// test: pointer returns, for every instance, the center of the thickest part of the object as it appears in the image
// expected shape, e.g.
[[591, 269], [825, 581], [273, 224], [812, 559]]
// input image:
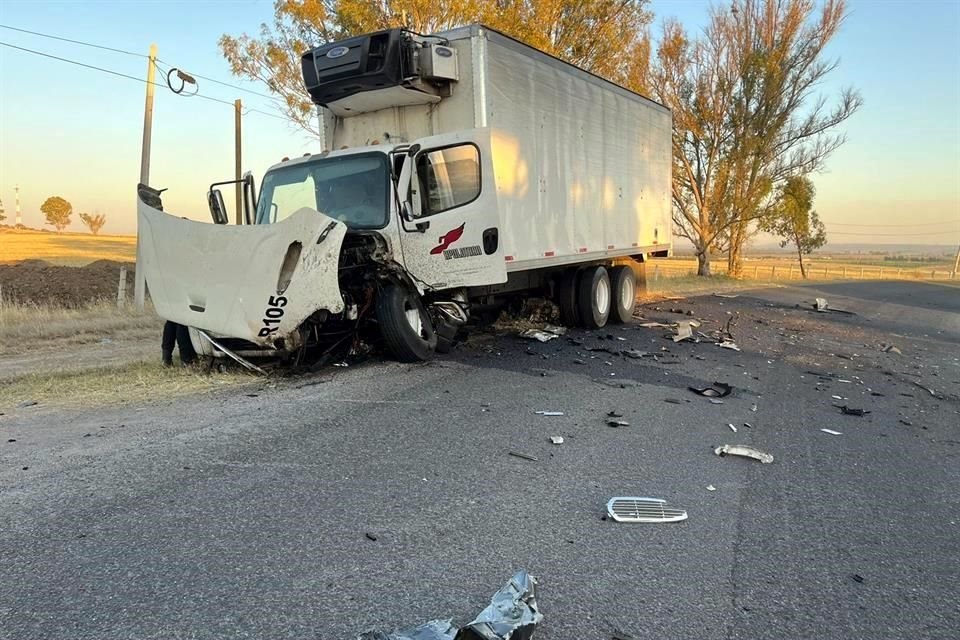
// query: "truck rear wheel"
[[405, 324], [624, 287], [566, 297], [593, 297]]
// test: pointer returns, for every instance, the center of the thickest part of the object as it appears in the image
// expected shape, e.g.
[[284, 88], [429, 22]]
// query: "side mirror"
[[406, 211], [218, 211], [249, 198]]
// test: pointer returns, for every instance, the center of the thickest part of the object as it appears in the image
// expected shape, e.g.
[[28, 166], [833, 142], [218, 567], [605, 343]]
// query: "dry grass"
[[136, 382], [684, 285], [29, 327], [70, 249]]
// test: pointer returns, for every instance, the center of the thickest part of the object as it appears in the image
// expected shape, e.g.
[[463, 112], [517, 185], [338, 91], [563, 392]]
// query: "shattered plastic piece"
[[371, 536], [549, 413], [820, 304], [628, 509], [753, 408], [717, 390], [672, 401], [732, 428], [710, 487], [726, 344], [555, 329], [536, 334], [617, 423], [745, 451], [892, 349], [684, 332], [832, 432], [850, 411], [634, 353], [658, 325], [748, 425], [524, 456], [614, 414], [715, 401], [556, 439], [927, 389]]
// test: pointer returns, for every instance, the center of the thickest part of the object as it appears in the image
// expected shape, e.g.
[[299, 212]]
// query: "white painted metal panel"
[[583, 169]]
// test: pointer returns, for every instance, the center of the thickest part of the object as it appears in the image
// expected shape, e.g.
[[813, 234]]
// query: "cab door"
[[450, 236]]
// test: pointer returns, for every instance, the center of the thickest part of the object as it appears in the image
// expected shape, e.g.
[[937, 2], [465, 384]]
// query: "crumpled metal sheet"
[[511, 615], [433, 630]]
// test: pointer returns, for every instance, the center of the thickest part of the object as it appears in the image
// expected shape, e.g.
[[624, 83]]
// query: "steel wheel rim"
[[603, 296], [626, 293]]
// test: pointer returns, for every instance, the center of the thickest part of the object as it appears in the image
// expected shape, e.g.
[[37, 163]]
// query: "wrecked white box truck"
[[459, 169]]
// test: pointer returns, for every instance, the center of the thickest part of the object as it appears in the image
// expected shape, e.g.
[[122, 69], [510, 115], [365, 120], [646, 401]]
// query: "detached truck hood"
[[257, 282]]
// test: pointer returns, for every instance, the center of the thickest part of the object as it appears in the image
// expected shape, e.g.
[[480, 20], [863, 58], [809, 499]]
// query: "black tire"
[[403, 341], [593, 297], [566, 298], [623, 287]]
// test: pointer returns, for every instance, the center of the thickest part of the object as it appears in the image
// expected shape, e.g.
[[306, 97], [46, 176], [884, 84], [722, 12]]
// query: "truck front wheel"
[[594, 297], [405, 324]]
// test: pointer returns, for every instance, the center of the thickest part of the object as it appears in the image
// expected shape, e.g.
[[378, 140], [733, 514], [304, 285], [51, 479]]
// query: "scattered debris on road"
[[546, 334], [685, 331], [710, 487], [832, 432], [549, 413], [856, 577], [892, 349], [614, 414], [524, 456], [511, 615], [732, 428], [617, 423], [371, 536], [726, 344], [556, 439], [820, 304], [851, 411], [717, 390], [629, 509], [744, 451]]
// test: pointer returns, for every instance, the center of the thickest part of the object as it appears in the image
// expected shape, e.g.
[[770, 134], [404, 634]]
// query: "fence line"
[[673, 269]]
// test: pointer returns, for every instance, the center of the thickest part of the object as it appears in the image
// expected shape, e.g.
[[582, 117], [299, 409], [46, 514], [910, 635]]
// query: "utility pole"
[[956, 264], [16, 190], [237, 108], [140, 280]]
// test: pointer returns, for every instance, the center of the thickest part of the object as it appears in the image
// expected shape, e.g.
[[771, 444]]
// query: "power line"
[[81, 64], [129, 77], [132, 53], [870, 224], [891, 235], [80, 42]]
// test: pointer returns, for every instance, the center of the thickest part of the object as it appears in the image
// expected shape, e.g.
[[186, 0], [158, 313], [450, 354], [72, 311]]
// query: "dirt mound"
[[39, 282]]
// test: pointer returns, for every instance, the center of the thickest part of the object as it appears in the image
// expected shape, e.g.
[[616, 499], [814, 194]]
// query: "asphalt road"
[[244, 514]]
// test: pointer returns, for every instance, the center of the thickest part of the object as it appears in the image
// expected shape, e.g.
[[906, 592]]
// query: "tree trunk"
[[803, 269], [703, 263], [738, 234]]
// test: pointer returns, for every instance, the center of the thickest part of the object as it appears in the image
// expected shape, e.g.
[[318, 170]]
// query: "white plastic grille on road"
[[643, 510]]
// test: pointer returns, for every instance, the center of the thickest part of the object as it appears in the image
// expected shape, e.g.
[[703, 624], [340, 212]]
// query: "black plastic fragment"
[[850, 411], [717, 390]]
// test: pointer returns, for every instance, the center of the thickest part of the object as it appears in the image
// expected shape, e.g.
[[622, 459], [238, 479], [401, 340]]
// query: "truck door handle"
[[491, 240]]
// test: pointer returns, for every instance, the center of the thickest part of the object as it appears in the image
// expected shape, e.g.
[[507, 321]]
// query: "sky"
[[74, 132]]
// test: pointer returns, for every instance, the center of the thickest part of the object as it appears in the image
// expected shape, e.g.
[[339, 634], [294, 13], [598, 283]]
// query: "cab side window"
[[449, 178]]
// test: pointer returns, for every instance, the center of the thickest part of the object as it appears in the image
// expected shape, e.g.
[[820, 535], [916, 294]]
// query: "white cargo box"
[[582, 165]]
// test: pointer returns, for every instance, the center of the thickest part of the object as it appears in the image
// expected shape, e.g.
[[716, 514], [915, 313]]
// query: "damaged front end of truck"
[[258, 290]]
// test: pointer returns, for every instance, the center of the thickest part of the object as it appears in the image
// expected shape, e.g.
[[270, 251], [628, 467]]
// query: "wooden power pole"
[[237, 108], [140, 279]]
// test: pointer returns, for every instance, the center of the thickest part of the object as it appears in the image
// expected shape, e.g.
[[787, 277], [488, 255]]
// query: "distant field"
[[69, 249]]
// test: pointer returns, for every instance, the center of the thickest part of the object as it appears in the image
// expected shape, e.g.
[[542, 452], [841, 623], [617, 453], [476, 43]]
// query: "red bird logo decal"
[[448, 239]]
